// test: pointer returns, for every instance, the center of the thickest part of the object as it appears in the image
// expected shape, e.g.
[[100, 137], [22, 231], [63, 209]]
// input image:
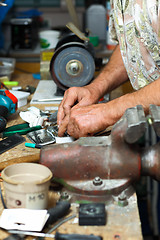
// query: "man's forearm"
[[112, 75], [150, 94]]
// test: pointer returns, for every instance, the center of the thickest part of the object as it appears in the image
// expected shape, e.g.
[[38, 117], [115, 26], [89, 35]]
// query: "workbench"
[[122, 222]]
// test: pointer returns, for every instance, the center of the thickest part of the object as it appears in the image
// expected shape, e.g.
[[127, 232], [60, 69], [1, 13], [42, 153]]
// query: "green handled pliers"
[[21, 129]]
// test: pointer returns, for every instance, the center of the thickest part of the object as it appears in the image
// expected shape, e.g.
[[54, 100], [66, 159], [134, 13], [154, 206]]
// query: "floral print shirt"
[[135, 24]]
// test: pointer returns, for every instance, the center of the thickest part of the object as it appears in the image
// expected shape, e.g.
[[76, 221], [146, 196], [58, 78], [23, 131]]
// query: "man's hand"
[[81, 96], [85, 121]]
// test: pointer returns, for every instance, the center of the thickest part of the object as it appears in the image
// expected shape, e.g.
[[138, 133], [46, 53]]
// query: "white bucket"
[[49, 39], [26, 185]]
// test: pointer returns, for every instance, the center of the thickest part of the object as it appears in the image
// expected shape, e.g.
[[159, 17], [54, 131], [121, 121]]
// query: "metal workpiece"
[[96, 167]]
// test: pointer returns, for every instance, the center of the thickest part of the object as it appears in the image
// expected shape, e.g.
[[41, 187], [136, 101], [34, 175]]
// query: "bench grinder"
[[73, 62]]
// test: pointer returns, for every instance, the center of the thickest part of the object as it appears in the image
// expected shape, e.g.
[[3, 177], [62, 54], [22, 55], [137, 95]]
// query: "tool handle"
[[19, 129], [60, 210], [60, 236]]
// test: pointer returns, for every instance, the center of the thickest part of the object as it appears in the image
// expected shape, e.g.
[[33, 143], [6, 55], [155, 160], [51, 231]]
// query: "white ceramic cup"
[[26, 185]]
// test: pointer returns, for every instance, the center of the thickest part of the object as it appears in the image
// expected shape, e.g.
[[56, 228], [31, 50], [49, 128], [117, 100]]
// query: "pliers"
[[21, 129]]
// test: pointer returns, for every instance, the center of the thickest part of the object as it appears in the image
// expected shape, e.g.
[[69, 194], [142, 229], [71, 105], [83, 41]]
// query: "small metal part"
[[41, 137], [122, 200], [35, 234], [74, 67], [53, 130], [64, 195], [97, 181]]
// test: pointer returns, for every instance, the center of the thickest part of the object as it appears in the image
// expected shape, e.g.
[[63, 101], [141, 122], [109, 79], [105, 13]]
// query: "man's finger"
[[63, 126]]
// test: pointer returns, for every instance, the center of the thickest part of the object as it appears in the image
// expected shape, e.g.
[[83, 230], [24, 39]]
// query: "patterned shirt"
[[135, 24]]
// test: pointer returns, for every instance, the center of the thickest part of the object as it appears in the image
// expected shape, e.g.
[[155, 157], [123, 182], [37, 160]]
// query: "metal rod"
[[35, 234], [61, 222]]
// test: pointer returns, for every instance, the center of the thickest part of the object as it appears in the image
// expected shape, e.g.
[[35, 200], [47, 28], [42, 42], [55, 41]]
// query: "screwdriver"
[[58, 236]]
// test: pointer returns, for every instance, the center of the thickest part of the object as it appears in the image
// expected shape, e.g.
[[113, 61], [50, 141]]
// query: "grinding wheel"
[[72, 65]]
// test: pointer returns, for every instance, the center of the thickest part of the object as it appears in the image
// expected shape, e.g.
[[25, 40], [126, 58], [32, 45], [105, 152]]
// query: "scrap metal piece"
[[41, 137]]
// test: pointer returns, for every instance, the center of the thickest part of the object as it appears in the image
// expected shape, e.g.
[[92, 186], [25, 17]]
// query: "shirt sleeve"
[[112, 29]]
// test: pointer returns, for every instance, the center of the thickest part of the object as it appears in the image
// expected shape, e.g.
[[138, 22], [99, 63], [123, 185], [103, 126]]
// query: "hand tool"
[[60, 222], [58, 236], [21, 129], [98, 168], [32, 145], [60, 210]]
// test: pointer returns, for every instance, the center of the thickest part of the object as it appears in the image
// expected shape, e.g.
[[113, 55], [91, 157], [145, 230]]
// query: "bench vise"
[[102, 168]]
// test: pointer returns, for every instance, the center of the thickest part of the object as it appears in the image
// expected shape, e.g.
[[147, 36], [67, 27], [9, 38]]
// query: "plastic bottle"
[[96, 22]]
